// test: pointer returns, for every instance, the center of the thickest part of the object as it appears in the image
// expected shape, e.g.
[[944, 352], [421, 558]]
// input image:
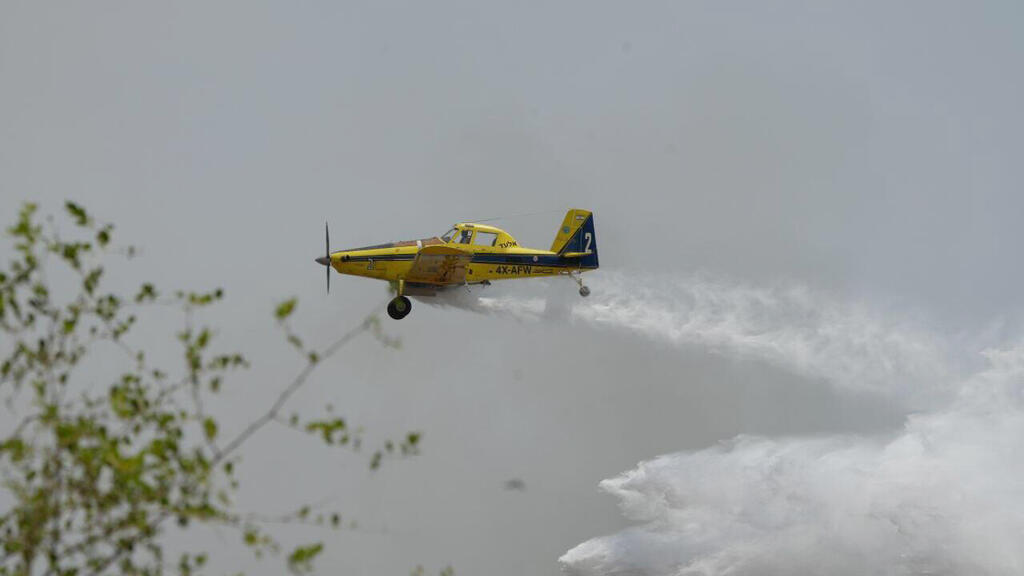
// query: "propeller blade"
[[327, 250]]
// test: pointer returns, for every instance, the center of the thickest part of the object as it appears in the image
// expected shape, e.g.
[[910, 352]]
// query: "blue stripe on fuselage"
[[379, 258], [526, 260], [552, 261]]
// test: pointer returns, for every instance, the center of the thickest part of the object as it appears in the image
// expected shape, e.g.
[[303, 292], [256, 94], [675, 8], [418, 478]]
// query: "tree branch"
[[297, 383]]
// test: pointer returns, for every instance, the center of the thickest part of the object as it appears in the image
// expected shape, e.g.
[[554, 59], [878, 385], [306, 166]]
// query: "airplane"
[[470, 253]]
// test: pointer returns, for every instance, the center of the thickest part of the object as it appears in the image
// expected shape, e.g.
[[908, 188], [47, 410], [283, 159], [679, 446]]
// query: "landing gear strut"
[[399, 307], [584, 290]]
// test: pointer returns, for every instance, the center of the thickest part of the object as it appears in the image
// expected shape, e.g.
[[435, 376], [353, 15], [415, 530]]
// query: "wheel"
[[584, 291], [399, 307]]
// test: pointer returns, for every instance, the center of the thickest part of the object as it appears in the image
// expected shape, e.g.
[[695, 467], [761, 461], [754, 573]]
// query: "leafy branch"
[[95, 474]]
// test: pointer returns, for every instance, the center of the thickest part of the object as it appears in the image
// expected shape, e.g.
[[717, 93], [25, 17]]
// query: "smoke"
[[941, 496]]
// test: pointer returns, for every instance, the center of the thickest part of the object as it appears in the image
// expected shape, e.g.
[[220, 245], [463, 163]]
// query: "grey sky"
[[870, 150]]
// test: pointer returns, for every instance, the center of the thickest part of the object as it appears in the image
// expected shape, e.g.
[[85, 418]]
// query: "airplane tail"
[[576, 238]]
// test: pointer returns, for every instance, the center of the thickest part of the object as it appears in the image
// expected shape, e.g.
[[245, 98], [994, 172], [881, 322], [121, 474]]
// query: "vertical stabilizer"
[[577, 236]]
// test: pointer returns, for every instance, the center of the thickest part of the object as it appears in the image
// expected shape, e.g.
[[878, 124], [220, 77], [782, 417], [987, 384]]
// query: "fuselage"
[[495, 255]]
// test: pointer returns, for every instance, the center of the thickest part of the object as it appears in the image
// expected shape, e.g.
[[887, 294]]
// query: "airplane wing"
[[439, 265]]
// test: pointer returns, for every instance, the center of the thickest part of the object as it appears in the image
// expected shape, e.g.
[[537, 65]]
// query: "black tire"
[[584, 291], [399, 307]]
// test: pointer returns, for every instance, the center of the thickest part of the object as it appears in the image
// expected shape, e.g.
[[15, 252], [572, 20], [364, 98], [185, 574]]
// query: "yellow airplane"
[[469, 253]]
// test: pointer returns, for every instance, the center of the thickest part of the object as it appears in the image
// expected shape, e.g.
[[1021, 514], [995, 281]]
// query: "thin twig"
[[282, 398]]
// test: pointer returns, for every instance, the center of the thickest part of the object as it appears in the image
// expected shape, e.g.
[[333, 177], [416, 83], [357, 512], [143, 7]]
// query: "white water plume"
[[789, 326], [942, 496]]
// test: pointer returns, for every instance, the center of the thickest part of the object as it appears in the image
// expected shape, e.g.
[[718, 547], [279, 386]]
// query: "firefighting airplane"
[[469, 253]]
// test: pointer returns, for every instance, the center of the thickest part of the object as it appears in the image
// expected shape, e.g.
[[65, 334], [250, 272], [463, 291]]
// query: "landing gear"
[[584, 290], [399, 307]]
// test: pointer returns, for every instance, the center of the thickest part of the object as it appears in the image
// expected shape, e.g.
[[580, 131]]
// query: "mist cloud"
[[790, 326], [941, 496]]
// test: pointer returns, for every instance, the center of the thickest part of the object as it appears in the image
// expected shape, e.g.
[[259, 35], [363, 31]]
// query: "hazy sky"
[[866, 151]]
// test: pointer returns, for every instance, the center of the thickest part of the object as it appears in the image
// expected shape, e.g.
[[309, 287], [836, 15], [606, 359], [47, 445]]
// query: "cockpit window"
[[449, 235], [466, 236], [485, 238]]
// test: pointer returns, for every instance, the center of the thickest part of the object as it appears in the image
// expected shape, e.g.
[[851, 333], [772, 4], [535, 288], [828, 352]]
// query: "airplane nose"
[[324, 261]]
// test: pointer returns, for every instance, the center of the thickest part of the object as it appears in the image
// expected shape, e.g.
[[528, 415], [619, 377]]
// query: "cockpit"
[[478, 235], [458, 236]]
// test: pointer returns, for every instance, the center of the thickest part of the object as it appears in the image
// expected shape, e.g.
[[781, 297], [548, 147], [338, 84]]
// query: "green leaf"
[[92, 279], [326, 428], [285, 309], [14, 447], [103, 236], [203, 339], [201, 299], [146, 292], [120, 403], [210, 428], [301, 558], [77, 213]]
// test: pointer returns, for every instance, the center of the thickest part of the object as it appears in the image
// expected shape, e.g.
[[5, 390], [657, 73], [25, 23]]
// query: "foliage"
[[96, 474]]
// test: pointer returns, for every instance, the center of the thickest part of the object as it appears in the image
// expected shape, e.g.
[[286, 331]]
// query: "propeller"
[[326, 260]]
